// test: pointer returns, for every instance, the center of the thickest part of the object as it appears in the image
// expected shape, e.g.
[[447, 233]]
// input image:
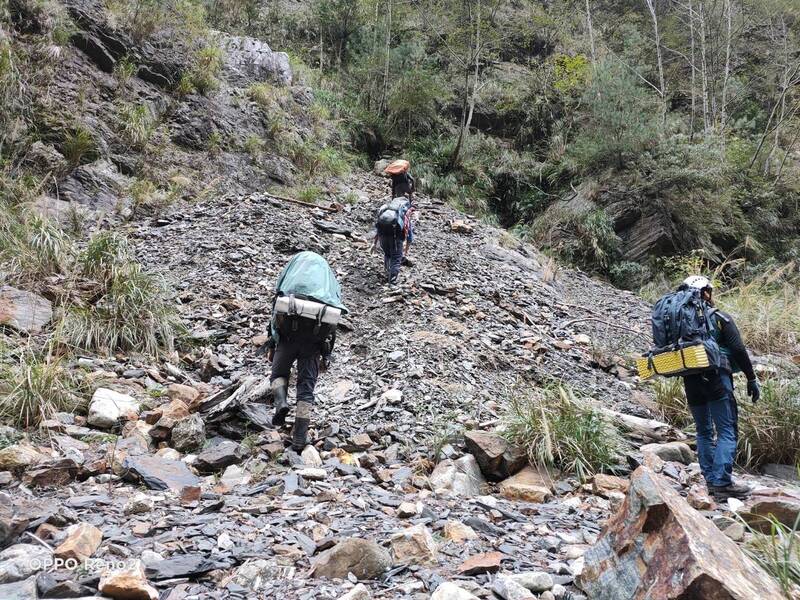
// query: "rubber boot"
[[301, 422], [279, 390]]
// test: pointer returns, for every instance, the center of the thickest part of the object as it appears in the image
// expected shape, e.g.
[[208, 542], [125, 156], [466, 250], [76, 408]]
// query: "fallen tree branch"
[[604, 322]]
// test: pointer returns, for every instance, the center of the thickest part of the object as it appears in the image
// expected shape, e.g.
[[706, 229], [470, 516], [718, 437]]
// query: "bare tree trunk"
[[694, 71], [591, 34], [704, 67], [386, 61], [661, 81], [474, 95], [784, 85], [724, 102]]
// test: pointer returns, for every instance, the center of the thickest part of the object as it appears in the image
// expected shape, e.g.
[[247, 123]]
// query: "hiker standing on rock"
[[306, 311], [711, 400], [394, 232]]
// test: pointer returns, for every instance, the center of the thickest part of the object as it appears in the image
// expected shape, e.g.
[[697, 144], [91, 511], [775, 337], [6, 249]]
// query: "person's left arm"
[[731, 338]]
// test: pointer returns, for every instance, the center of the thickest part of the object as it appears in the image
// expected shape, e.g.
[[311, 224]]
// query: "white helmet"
[[697, 282]]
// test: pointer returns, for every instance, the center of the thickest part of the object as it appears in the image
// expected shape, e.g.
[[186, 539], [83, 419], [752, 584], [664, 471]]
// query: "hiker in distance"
[[402, 181], [394, 232], [306, 310], [711, 400]]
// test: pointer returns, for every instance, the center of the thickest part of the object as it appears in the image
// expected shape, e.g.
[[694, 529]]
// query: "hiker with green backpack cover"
[[687, 317], [305, 312]]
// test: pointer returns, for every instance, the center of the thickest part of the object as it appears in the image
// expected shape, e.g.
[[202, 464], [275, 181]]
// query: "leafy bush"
[[559, 431], [131, 311], [629, 275], [35, 390], [769, 430], [618, 122]]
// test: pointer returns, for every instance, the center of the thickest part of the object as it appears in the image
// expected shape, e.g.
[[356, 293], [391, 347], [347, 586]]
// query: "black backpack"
[[391, 217], [682, 319]]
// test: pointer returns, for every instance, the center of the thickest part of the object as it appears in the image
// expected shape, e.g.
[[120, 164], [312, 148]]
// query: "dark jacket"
[[402, 185], [704, 387]]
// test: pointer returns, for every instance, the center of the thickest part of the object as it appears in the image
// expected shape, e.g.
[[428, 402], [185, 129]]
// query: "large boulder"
[[657, 546], [461, 477], [189, 433], [496, 456], [21, 561], [363, 558], [24, 311]]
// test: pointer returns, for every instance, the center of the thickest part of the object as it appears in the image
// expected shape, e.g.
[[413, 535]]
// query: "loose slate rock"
[[363, 558], [24, 311], [186, 565], [162, 473], [218, 456], [487, 562], [450, 591]]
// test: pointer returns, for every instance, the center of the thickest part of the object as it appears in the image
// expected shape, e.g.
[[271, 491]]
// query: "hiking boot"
[[734, 490], [279, 401], [301, 422], [300, 434]]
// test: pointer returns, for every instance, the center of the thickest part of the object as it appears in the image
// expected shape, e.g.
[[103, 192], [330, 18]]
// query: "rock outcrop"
[[657, 546]]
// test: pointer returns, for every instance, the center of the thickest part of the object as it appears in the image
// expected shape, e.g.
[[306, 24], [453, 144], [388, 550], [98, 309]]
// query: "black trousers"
[[392, 247], [306, 351]]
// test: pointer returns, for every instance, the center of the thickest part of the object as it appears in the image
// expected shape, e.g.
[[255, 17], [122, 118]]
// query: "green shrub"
[[629, 275], [131, 311], [586, 239], [309, 193], [124, 70], [769, 430], [32, 246], [766, 309], [208, 63], [79, 146], [138, 124], [35, 390], [558, 430]]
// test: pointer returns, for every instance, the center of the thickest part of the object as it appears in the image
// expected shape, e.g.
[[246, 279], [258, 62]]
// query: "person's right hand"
[[271, 354], [753, 390]]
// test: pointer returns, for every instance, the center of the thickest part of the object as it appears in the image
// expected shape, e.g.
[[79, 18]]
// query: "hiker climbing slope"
[[402, 182], [306, 311], [394, 232], [688, 317]]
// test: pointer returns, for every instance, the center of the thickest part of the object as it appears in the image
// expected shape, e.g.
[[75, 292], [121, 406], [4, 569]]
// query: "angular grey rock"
[[20, 590], [184, 565], [509, 589], [24, 311], [450, 591], [534, 581], [461, 477], [218, 456], [255, 59], [363, 558], [21, 561], [189, 433], [161, 473]]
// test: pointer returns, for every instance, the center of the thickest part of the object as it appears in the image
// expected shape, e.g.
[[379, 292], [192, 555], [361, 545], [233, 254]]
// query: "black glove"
[[753, 390], [324, 364]]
